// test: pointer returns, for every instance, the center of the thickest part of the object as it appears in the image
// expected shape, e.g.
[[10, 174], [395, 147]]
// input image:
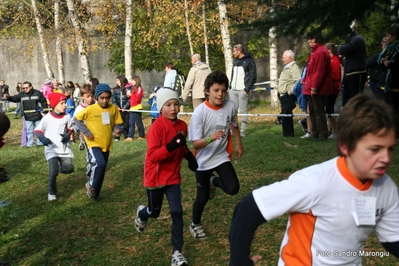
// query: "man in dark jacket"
[[32, 104], [243, 78], [354, 53], [3, 90]]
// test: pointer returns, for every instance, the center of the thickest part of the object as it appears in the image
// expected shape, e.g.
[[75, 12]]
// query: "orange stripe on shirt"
[[297, 251], [353, 180]]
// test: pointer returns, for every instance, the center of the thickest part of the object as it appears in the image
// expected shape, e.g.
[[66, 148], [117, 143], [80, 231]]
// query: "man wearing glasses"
[[32, 104]]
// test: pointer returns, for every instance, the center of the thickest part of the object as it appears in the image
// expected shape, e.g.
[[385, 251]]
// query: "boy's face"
[[87, 98], [170, 109], [103, 99], [60, 107], [216, 94], [372, 155]]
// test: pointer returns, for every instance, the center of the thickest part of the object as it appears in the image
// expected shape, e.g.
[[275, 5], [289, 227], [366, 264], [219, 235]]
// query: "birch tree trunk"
[[274, 102], [205, 34], [46, 60], [128, 40], [188, 27], [58, 44], [225, 34], [82, 49]]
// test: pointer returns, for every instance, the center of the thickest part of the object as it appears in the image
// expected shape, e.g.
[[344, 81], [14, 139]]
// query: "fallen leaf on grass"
[[290, 145]]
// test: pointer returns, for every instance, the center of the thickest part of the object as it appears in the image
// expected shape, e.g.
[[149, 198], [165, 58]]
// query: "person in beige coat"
[[195, 80]]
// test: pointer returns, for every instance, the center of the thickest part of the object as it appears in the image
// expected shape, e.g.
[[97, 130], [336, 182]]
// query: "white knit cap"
[[164, 95]]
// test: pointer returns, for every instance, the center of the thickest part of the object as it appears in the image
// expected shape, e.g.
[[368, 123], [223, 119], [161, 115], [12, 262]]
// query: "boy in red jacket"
[[166, 140]]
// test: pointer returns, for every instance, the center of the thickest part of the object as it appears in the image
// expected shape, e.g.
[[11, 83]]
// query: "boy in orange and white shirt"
[[335, 205]]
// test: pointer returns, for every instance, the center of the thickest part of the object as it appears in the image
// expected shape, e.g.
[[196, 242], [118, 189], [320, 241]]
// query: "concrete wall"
[[17, 66]]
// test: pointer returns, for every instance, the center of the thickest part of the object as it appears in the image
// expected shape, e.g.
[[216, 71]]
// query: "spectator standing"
[[54, 131], [243, 78], [318, 84], [210, 135], [18, 108], [121, 100], [166, 141], [336, 82], [195, 81], [97, 122], [389, 61], [152, 101], [288, 77], [135, 116], [374, 71], [354, 53], [170, 77], [76, 94], [32, 103], [335, 205], [3, 90]]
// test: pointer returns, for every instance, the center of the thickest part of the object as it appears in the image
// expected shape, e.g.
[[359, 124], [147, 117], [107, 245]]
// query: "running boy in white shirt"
[[333, 206], [54, 131], [209, 132]]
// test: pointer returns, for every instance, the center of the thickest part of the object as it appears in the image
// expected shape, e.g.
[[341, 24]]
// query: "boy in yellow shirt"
[[97, 122]]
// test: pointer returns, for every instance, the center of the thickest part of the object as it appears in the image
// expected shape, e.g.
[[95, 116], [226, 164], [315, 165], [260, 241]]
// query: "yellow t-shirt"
[[101, 124]]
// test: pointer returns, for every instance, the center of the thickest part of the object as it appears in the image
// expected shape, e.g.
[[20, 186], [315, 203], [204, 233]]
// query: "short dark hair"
[[170, 65], [394, 30], [361, 115], [218, 77], [28, 82]]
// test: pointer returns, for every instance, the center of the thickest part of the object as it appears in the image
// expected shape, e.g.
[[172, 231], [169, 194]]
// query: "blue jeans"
[[30, 127], [135, 119]]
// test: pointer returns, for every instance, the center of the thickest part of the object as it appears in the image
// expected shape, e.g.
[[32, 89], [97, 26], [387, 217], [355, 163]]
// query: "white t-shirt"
[[205, 121], [52, 126], [321, 200]]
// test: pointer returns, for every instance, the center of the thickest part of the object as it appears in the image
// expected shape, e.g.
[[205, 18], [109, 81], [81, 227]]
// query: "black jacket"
[[120, 99], [354, 53], [243, 75], [32, 104]]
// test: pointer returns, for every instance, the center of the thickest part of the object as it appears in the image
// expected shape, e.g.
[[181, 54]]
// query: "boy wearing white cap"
[[97, 122], [166, 141], [54, 131]]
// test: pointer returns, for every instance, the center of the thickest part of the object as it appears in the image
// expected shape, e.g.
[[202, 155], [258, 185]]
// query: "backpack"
[[179, 83]]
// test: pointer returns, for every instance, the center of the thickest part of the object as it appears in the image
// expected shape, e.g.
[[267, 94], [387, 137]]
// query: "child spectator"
[[97, 122], [76, 94], [166, 148], [152, 101], [333, 206], [54, 131], [135, 118], [46, 89], [210, 134], [121, 100]]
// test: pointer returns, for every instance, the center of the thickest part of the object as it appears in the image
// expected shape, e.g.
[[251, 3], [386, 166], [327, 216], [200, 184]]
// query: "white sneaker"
[[178, 259], [197, 231], [51, 197], [138, 223], [332, 136], [306, 136]]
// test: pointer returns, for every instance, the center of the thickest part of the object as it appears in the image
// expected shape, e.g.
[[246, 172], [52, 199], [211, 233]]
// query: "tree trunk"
[[188, 27], [225, 34], [128, 40], [46, 60], [58, 44], [274, 102], [205, 34], [84, 58]]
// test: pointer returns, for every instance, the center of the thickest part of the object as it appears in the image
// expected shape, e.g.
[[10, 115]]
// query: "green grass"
[[73, 230]]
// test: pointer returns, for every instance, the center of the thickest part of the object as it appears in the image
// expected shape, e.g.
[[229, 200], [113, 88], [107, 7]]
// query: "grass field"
[[73, 230]]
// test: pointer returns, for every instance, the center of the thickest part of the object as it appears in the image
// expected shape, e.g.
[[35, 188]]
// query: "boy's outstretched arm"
[[80, 124], [392, 248], [246, 219], [117, 129]]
